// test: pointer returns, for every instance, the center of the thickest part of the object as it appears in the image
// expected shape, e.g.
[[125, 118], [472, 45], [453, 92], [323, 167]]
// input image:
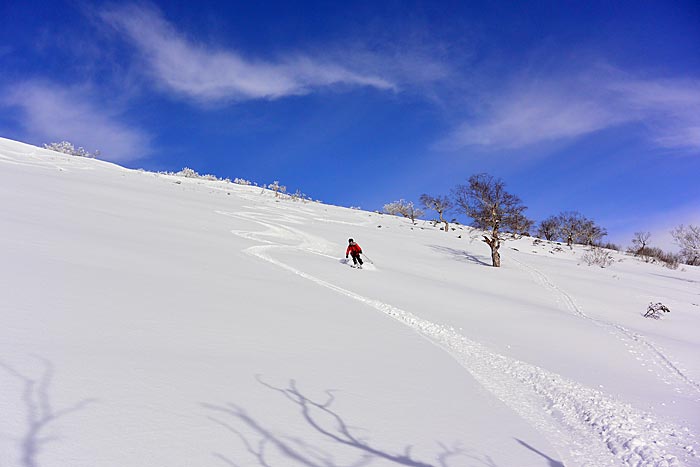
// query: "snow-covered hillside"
[[150, 320]]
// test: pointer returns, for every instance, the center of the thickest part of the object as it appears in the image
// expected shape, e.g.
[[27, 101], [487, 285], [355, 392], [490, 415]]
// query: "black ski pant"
[[356, 258]]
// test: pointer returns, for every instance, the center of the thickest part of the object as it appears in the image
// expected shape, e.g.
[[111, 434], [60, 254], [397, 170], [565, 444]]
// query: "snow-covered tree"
[[67, 148], [439, 204], [688, 239], [403, 208], [493, 209]]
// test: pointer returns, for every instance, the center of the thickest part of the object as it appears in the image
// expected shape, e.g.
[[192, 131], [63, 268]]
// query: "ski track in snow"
[[644, 351], [585, 426]]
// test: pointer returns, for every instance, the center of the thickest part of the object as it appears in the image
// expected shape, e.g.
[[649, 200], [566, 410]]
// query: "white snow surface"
[[151, 320]]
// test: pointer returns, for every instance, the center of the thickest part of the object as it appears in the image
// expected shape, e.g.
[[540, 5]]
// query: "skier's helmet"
[[350, 240]]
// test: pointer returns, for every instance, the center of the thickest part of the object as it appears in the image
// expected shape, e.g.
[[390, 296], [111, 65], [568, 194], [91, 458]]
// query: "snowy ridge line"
[[586, 427], [649, 351]]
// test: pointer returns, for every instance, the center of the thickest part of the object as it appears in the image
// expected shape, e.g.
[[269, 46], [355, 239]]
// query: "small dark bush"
[[656, 310]]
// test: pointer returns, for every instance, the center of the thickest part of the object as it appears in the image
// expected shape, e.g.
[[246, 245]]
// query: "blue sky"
[[589, 106]]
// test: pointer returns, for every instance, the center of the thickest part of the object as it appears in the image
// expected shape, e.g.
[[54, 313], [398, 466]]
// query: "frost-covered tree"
[[403, 208], [493, 209], [67, 148], [548, 228], [187, 173], [439, 204], [688, 239]]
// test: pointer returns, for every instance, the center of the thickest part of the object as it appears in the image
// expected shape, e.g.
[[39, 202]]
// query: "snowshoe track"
[[643, 349]]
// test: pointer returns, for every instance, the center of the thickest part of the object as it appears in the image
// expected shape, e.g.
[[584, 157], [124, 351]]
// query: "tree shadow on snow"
[[676, 278], [552, 462], [461, 255], [39, 412], [327, 426]]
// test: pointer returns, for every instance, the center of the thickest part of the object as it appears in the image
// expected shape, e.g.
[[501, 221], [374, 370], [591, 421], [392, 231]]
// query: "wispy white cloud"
[[209, 74], [536, 110], [49, 112], [670, 108]]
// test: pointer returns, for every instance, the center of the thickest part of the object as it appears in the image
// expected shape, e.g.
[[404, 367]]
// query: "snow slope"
[[150, 320]]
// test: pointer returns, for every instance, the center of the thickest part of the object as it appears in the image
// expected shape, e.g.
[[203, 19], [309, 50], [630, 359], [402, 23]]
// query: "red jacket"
[[354, 249]]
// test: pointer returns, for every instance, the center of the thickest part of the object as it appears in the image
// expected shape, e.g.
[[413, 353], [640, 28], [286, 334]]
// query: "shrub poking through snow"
[[187, 173], [191, 173], [67, 148], [598, 257], [277, 188], [299, 196], [656, 310]]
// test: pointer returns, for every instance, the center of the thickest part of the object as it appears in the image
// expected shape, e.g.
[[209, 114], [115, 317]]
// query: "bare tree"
[[639, 245], [548, 228], [591, 233], [641, 240], [688, 238], [570, 226], [439, 204], [493, 209]]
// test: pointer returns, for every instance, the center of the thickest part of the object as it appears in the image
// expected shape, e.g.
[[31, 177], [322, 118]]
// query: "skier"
[[354, 250]]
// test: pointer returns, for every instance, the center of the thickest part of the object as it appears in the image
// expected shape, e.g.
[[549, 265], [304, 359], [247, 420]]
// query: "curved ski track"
[[585, 426]]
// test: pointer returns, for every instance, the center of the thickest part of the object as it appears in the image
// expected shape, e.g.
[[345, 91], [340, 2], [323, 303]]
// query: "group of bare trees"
[[571, 227], [485, 200], [686, 237], [501, 215]]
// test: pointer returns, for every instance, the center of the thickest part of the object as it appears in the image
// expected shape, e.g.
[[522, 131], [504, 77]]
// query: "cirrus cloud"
[[211, 74], [566, 106]]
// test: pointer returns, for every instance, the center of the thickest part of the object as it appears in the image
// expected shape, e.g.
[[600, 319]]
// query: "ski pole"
[[368, 259]]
